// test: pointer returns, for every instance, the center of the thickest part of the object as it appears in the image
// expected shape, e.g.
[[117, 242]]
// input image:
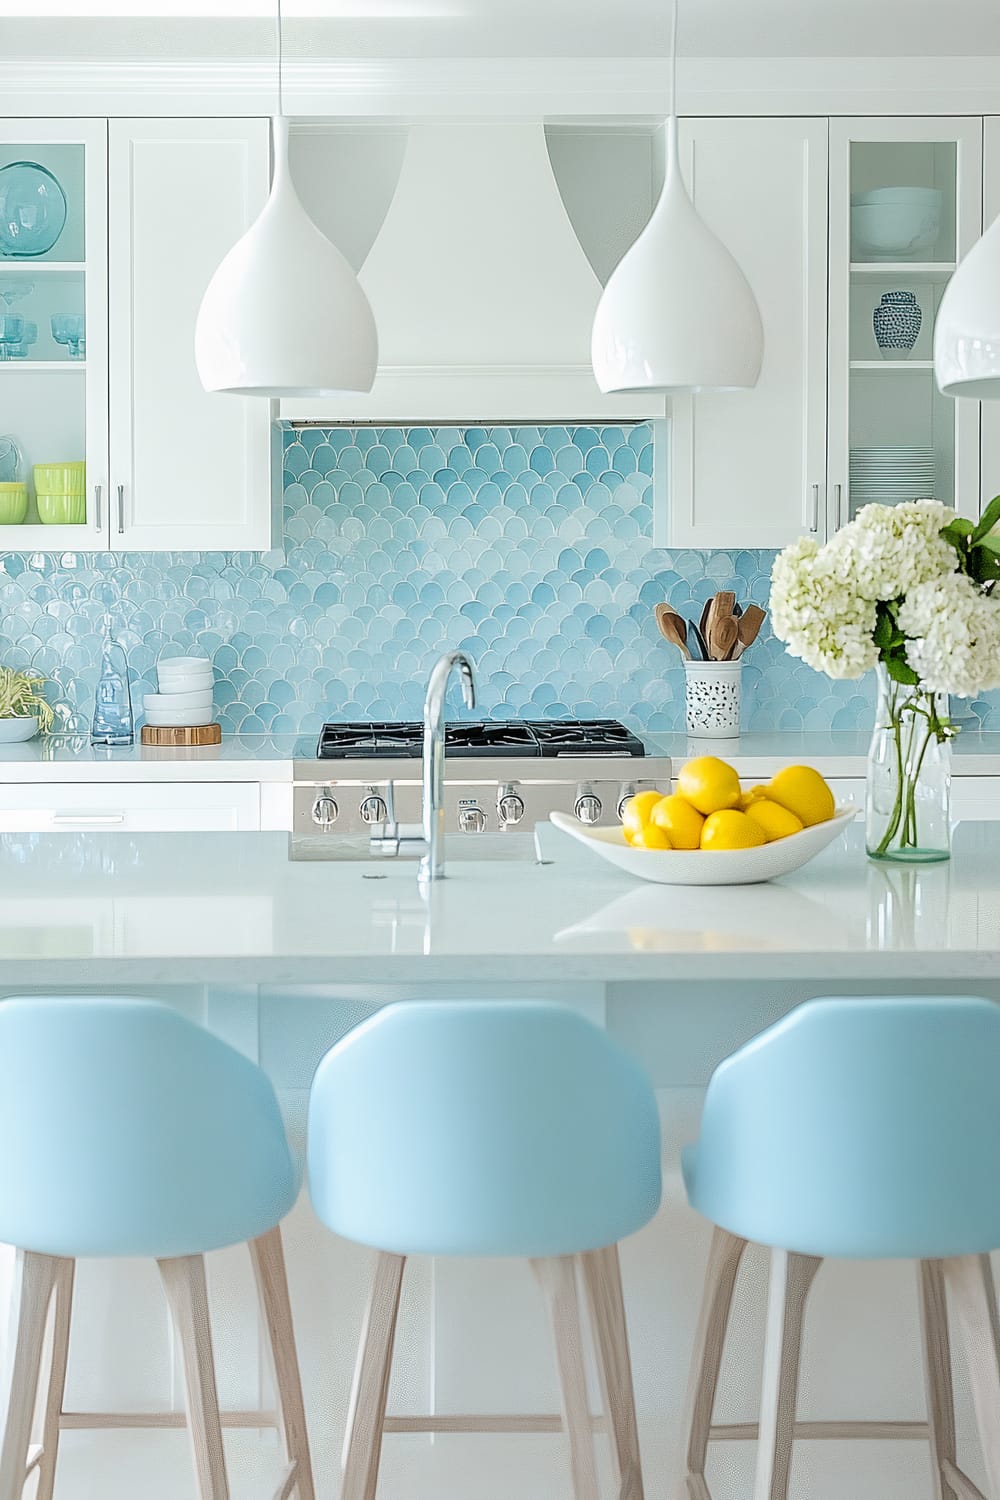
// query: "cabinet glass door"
[[53, 333], [905, 206]]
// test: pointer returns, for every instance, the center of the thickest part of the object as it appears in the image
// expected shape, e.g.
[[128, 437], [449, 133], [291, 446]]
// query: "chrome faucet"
[[432, 864]]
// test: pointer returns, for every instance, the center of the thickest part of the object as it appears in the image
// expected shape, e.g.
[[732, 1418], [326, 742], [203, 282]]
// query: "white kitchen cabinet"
[[129, 807], [892, 403], [189, 470], [152, 207], [748, 469], [54, 399]]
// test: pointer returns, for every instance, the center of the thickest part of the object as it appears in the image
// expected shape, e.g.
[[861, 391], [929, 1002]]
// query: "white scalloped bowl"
[[709, 866]]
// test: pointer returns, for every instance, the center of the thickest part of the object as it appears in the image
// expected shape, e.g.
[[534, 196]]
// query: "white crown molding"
[[331, 87]]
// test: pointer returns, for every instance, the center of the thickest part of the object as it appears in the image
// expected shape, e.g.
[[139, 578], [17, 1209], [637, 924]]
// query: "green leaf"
[[883, 632], [989, 543], [989, 518], [900, 670], [958, 528]]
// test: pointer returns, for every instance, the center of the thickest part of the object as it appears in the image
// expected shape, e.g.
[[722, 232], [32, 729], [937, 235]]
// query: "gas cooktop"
[[514, 737]]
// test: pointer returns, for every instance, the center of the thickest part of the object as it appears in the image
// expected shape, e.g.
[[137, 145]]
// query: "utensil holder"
[[712, 694]]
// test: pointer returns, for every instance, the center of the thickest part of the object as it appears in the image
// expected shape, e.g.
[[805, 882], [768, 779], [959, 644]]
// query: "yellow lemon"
[[753, 795], [635, 813], [651, 837], [804, 792], [775, 821], [728, 829], [679, 820], [709, 784]]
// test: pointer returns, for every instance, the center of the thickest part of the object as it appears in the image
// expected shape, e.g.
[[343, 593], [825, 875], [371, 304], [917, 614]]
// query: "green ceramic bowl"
[[62, 510], [13, 502]]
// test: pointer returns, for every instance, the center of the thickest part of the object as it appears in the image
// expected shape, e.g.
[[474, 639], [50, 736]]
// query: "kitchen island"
[[281, 955]]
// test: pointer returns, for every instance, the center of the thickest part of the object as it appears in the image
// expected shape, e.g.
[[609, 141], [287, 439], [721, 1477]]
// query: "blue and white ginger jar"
[[896, 322]]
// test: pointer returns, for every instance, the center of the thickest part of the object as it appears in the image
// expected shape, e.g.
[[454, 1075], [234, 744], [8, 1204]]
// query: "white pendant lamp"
[[967, 329], [284, 314], [677, 313]]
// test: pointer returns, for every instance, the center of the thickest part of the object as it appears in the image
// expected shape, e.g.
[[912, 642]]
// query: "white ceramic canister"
[[713, 698]]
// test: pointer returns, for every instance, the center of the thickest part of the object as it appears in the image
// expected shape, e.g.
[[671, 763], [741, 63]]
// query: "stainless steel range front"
[[499, 776]]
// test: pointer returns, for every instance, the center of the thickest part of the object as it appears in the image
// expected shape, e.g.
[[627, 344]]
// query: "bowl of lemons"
[[710, 831]]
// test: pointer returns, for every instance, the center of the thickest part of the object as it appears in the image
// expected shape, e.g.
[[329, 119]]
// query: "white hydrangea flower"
[[818, 613], [955, 635], [890, 549]]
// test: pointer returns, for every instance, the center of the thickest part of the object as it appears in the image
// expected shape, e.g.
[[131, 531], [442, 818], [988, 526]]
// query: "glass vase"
[[907, 811]]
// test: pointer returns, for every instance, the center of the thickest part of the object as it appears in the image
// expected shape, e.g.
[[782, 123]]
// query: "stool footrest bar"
[[81, 1420], [738, 1432], [960, 1482], [34, 1459], [287, 1482], [477, 1422]]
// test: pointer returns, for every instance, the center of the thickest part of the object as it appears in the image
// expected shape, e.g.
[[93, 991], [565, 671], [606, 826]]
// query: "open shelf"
[[34, 267], [916, 365], [922, 272], [42, 364]]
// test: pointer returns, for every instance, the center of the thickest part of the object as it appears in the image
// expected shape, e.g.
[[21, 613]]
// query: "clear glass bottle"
[[113, 723], [908, 791]]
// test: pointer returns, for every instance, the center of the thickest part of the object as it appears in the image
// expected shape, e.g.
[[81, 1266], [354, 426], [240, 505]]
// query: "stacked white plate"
[[885, 476], [186, 690]]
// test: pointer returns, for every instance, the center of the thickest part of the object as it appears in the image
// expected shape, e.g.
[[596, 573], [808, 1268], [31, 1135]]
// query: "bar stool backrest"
[[129, 1130], [865, 1127], [482, 1128]]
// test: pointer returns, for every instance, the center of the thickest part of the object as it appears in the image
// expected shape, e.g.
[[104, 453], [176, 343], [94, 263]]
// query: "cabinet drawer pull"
[[812, 519], [85, 817], [121, 509], [839, 505], [98, 495]]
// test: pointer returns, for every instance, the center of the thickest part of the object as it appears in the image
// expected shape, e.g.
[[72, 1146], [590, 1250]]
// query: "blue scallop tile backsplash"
[[529, 547]]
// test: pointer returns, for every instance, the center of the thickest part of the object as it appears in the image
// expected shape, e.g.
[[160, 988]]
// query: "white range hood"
[[483, 297]]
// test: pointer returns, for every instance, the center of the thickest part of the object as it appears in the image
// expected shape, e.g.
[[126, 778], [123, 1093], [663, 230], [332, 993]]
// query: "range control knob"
[[510, 806], [589, 808], [471, 819], [325, 811], [373, 809], [626, 792]]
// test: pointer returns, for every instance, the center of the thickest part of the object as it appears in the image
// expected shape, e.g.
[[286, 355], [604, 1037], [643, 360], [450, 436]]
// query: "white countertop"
[[268, 758], [60, 757], [141, 909]]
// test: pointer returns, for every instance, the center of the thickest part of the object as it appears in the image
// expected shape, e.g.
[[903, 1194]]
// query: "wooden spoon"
[[672, 628], [719, 606], [748, 627], [724, 637]]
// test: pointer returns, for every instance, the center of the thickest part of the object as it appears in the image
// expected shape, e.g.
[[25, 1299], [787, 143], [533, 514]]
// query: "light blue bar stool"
[[129, 1131], [489, 1129], [862, 1128]]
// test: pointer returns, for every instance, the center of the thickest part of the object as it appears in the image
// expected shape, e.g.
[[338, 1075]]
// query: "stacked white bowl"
[[185, 697]]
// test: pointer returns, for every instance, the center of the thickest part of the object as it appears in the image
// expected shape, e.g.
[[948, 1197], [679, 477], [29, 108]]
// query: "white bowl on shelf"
[[903, 228], [184, 674], [179, 718], [709, 866], [175, 702]]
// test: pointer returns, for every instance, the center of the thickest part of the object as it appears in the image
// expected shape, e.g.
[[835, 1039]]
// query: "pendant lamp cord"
[[673, 57], [281, 99]]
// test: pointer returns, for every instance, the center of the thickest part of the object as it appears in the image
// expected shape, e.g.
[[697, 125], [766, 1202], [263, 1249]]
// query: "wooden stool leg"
[[603, 1281], [184, 1280], [724, 1259], [57, 1380], [38, 1277], [969, 1280], [557, 1277], [268, 1260], [791, 1278], [366, 1418], [937, 1373]]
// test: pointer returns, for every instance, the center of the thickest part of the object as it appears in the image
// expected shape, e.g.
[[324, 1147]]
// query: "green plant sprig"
[[20, 697], [977, 545]]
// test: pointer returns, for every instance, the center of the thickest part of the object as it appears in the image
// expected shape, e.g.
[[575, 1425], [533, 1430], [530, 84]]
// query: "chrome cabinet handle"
[[121, 509], [838, 504], [81, 817], [98, 493], [812, 522]]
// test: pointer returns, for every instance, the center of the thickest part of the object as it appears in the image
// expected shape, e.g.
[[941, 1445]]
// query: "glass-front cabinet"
[[906, 205], [53, 333]]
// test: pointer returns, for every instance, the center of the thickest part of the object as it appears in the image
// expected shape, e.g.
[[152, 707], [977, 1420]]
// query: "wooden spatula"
[[725, 634], [748, 627], [672, 628]]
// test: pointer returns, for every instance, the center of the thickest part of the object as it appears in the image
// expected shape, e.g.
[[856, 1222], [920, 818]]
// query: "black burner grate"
[[516, 737]]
